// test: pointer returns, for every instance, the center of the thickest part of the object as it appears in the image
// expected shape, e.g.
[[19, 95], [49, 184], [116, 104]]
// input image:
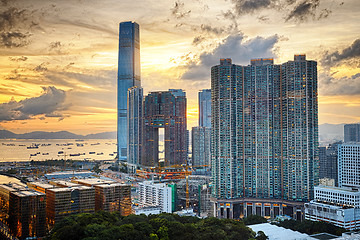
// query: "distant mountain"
[[4, 134]]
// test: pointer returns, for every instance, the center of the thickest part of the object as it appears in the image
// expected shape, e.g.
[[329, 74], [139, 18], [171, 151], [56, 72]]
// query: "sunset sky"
[[58, 59]]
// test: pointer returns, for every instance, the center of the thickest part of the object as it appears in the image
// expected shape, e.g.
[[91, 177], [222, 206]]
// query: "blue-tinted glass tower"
[[128, 76], [205, 108]]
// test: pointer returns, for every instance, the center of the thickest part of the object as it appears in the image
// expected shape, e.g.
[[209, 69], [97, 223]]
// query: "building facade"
[[338, 206], [155, 195], [352, 132], [205, 108], [328, 166], [165, 110], [264, 139], [201, 156], [128, 76], [349, 164], [135, 124]]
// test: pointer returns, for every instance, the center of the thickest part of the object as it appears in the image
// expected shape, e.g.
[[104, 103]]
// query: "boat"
[[33, 146], [45, 154], [100, 153], [60, 152], [91, 152], [33, 154], [74, 154]]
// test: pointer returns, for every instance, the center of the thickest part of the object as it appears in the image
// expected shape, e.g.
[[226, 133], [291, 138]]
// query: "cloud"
[[329, 85], [14, 27], [18, 59], [41, 68], [51, 101], [234, 47], [300, 10], [178, 10], [351, 54], [303, 10]]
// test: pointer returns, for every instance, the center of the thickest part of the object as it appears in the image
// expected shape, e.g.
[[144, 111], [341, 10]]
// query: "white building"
[[155, 194], [349, 164], [338, 206]]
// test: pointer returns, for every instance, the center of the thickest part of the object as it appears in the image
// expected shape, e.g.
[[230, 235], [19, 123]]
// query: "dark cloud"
[[41, 68], [351, 53], [303, 10], [263, 19], [14, 39], [15, 25], [330, 85], [250, 6], [300, 10], [178, 10], [51, 101], [18, 59], [197, 40], [234, 47]]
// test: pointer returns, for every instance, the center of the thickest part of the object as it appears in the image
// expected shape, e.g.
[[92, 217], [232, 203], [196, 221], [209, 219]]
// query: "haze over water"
[[92, 149]]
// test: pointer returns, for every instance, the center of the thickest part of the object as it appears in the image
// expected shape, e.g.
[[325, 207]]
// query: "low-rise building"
[[155, 194], [338, 206]]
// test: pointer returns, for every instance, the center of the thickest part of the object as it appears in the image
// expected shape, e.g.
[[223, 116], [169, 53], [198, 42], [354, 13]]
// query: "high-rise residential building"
[[349, 164], [201, 155], [135, 121], [165, 110], [328, 166], [205, 108], [264, 141], [155, 194], [352, 132], [128, 76]]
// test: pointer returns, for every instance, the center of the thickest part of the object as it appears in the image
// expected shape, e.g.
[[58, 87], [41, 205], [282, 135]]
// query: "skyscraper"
[[349, 164], [205, 108], [128, 76], [264, 136], [135, 121], [352, 132], [165, 110]]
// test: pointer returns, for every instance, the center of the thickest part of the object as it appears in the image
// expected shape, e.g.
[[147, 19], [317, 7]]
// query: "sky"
[[58, 58]]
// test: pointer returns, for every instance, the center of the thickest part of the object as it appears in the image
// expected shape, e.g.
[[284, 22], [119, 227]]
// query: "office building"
[[205, 108], [201, 156], [155, 195], [135, 117], [349, 164], [128, 76], [352, 132], [109, 195], [27, 217], [165, 111], [328, 166], [65, 201], [5, 190], [338, 206], [264, 140]]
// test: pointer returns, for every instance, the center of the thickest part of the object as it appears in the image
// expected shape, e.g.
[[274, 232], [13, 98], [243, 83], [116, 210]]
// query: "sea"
[[18, 150]]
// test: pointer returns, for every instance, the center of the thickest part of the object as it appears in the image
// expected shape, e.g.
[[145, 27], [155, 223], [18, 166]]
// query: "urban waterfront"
[[19, 150]]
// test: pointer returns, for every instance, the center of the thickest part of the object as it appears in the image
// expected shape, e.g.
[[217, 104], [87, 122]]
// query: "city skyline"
[[59, 58]]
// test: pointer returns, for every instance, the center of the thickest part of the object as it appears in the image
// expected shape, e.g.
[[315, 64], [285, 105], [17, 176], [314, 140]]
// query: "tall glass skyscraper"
[[128, 76], [205, 108], [264, 136]]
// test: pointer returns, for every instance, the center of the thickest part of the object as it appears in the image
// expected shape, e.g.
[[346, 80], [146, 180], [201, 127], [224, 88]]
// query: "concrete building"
[[328, 166], [201, 139], [352, 132], [349, 164], [65, 201], [338, 206], [155, 195], [204, 99], [27, 217], [165, 110], [264, 139], [135, 125], [128, 76], [109, 195]]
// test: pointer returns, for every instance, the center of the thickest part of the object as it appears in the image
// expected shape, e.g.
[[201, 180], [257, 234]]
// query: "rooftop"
[[279, 233]]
